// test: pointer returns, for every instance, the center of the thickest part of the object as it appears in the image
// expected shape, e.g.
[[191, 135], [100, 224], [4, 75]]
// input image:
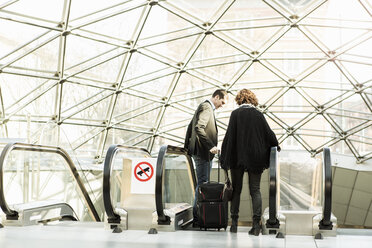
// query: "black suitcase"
[[212, 214], [210, 192], [211, 209]]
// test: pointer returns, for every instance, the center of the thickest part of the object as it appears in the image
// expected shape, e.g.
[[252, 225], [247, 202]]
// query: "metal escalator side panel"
[[44, 212]]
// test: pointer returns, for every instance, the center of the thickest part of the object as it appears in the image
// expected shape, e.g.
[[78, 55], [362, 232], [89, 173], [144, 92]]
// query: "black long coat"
[[247, 141]]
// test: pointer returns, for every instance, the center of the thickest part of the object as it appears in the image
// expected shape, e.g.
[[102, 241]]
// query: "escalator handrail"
[[168, 149], [326, 223], [273, 221], [48, 149], [107, 168]]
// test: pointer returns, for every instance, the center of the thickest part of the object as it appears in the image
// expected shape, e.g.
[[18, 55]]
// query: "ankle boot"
[[234, 225], [256, 228]]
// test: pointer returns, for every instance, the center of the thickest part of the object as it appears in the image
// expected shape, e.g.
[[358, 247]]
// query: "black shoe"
[[195, 224], [233, 229], [234, 224], [252, 231], [256, 229]]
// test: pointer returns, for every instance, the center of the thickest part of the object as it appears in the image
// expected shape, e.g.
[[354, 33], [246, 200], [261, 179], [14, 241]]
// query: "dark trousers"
[[254, 181]]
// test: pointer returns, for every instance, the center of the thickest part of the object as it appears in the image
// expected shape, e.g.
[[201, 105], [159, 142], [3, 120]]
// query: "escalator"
[[300, 198], [39, 184], [128, 201], [141, 192], [167, 204], [175, 189]]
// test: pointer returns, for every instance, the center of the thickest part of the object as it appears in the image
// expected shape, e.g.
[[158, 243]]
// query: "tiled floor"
[[73, 234]]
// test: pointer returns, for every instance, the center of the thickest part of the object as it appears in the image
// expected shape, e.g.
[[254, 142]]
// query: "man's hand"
[[214, 150]]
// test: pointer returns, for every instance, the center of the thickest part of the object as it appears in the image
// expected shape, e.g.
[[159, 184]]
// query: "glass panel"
[[121, 172], [177, 181], [301, 182], [37, 176], [198, 9], [296, 5], [325, 60], [51, 10]]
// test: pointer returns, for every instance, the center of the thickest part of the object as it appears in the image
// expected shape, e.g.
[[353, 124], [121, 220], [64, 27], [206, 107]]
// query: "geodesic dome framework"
[[89, 74]]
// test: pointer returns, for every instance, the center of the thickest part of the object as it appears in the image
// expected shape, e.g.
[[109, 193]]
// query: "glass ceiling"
[[87, 74]]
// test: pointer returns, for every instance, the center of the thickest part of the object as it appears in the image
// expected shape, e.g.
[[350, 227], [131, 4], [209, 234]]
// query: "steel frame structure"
[[244, 58]]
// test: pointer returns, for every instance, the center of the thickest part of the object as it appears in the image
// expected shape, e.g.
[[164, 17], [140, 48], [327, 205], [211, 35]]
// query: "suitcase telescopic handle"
[[219, 164]]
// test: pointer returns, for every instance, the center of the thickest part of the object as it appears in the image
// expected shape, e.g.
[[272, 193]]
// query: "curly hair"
[[246, 96]]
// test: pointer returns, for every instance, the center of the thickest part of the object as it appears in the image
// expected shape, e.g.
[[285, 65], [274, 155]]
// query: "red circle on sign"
[[147, 176]]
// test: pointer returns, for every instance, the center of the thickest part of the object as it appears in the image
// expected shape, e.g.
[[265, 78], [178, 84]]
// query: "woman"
[[246, 147]]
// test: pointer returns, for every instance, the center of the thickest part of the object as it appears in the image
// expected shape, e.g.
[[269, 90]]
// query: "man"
[[201, 138]]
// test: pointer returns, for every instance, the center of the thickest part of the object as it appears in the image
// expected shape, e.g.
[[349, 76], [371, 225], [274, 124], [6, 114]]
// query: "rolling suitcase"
[[212, 210]]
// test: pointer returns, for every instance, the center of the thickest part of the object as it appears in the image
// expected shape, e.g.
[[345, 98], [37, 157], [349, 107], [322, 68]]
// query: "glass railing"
[[175, 180], [36, 173], [300, 184], [117, 174]]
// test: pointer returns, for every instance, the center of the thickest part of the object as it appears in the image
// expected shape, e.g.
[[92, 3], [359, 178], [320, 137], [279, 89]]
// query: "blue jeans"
[[203, 171]]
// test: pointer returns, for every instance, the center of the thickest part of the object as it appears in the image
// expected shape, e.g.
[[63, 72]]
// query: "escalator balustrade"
[[40, 184], [300, 197], [141, 192]]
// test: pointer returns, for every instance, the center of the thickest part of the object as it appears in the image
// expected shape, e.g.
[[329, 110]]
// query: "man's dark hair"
[[220, 92]]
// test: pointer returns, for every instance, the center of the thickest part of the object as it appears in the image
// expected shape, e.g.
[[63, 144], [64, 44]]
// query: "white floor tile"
[[92, 235], [292, 241]]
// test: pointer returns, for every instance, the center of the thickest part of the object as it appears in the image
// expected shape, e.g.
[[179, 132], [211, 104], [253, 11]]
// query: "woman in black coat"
[[246, 147]]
